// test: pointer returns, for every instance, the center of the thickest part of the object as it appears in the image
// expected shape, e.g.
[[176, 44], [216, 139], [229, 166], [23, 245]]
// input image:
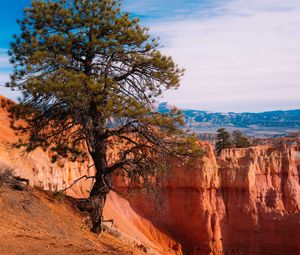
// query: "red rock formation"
[[245, 202], [191, 209], [261, 193]]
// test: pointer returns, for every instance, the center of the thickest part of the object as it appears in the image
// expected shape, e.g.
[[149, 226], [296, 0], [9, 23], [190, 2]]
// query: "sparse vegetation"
[[6, 175], [59, 195]]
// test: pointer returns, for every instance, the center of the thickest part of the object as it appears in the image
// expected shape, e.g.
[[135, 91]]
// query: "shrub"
[[6, 175]]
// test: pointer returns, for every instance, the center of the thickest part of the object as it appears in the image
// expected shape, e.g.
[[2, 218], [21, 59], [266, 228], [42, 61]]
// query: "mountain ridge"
[[169, 106], [269, 123]]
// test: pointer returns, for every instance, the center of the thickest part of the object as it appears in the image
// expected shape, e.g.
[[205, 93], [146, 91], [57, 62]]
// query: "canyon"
[[246, 201]]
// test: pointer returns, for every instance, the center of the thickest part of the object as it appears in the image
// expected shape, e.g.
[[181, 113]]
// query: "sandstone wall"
[[245, 202], [261, 193]]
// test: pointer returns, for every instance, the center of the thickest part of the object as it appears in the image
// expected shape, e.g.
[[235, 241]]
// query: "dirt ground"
[[34, 222]]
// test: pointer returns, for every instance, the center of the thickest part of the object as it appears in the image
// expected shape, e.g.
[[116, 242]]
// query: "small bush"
[[59, 195], [6, 175]]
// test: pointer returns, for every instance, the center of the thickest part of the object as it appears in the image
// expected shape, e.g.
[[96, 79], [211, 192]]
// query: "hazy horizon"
[[240, 56]]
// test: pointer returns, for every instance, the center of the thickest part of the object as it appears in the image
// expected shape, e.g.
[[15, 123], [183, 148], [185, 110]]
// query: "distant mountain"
[[279, 121]]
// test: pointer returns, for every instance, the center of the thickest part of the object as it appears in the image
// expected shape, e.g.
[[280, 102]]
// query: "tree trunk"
[[96, 213], [100, 188]]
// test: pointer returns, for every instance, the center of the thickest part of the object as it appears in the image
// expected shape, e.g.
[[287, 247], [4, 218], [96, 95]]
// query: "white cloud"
[[3, 78], [247, 55], [239, 54], [4, 75], [4, 59], [6, 91]]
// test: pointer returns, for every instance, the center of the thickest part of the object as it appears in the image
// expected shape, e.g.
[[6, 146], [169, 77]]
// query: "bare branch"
[[76, 181]]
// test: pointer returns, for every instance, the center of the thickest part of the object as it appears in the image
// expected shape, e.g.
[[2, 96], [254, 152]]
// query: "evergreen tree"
[[239, 140], [89, 75], [223, 140]]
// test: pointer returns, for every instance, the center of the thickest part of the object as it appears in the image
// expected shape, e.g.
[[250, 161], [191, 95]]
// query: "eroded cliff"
[[261, 194], [247, 201]]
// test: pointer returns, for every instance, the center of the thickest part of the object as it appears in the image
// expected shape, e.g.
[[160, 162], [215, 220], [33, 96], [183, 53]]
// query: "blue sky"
[[240, 55]]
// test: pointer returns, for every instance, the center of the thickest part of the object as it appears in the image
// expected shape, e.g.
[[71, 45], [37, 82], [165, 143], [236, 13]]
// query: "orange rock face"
[[245, 202], [261, 194]]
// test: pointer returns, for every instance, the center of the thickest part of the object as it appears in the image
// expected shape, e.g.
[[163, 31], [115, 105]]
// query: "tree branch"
[[76, 181]]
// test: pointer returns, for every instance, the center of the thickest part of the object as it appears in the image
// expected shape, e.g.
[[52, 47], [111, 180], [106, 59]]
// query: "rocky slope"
[[245, 202], [34, 222]]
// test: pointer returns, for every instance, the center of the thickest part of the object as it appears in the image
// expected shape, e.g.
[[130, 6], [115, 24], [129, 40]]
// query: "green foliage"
[[59, 195], [239, 140], [227, 141], [223, 140], [90, 73]]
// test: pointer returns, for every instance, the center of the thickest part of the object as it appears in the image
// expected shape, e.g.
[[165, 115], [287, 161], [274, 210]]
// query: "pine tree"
[[239, 140], [223, 140], [89, 76]]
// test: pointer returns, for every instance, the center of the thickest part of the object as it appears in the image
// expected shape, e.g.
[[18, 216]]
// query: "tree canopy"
[[223, 140], [90, 76], [239, 140]]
